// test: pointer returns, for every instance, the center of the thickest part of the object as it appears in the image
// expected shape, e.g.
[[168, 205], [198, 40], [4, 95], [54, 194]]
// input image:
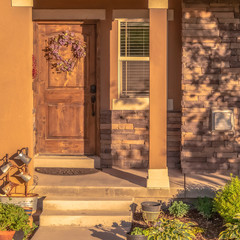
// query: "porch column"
[[158, 172]]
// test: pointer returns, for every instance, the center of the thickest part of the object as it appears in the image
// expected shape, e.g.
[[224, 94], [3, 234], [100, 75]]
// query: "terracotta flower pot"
[[6, 235]]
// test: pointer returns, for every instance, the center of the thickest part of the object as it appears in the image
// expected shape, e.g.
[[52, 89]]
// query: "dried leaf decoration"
[[65, 39]]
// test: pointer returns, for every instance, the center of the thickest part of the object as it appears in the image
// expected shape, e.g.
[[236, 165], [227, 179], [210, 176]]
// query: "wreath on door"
[[64, 39]]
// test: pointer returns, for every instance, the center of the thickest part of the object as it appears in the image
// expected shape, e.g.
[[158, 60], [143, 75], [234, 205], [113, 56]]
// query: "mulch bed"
[[66, 171], [212, 227]]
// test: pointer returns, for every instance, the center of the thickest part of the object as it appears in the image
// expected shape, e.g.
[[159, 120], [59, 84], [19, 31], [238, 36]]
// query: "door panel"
[[64, 120]]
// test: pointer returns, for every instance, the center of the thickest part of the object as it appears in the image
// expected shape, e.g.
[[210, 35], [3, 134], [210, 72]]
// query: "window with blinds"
[[134, 59]]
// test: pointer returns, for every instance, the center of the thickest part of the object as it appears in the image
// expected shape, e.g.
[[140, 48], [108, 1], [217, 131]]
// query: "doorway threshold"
[[64, 161]]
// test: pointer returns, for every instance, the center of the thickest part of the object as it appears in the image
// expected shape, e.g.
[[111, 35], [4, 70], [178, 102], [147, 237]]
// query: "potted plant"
[[138, 234], [151, 211], [13, 218]]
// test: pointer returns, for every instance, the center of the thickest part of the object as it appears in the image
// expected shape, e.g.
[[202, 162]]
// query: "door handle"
[[93, 101]]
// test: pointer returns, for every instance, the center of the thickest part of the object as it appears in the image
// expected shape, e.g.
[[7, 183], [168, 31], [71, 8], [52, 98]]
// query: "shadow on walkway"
[[116, 232], [133, 178], [18, 235]]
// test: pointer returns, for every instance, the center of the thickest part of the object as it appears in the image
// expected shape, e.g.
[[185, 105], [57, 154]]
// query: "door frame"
[[35, 83]]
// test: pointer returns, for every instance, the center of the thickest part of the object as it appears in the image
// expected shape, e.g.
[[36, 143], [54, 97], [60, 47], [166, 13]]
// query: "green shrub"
[[151, 232], [139, 231], [175, 230], [205, 206], [178, 209], [232, 230], [14, 218], [227, 200]]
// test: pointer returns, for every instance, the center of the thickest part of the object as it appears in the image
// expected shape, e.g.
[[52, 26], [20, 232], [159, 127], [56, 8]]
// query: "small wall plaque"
[[222, 120]]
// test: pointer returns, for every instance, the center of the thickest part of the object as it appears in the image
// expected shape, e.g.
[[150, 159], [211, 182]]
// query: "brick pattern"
[[210, 79], [125, 139], [173, 139]]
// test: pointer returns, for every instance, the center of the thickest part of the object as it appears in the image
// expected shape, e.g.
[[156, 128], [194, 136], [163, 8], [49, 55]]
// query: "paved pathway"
[[75, 233]]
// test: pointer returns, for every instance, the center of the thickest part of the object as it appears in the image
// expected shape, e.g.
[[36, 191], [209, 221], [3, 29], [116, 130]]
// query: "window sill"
[[130, 104]]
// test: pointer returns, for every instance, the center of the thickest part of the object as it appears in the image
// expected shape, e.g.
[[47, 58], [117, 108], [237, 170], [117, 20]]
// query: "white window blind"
[[134, 58]]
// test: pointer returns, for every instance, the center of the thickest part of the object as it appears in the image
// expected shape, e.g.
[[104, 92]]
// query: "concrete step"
[[107, 192], [87, 204], [84, 218], [66, 161]]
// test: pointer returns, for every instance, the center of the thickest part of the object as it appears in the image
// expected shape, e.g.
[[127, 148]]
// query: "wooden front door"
[[65, 116]]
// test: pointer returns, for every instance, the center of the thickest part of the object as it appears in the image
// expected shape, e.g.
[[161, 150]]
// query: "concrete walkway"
[[115, 177], [192, 185], [74, 233]]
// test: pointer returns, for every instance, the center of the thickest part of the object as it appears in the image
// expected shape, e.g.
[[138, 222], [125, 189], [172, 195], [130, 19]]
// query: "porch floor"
[[195, 184]]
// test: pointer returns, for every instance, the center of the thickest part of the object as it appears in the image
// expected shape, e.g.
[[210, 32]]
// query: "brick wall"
[[125, 139], [210, 79], [173, 139]]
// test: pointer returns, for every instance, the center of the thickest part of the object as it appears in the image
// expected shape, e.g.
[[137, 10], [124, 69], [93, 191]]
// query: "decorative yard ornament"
[[64, 39], [24, 158], [24, 176], [5, 168], [9, 187]]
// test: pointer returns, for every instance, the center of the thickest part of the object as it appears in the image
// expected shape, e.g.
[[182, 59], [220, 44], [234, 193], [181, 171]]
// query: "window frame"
[[120, 59]]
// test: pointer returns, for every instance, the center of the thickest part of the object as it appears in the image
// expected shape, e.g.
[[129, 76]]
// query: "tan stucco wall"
[[158, 89], [108, 42], [174, 55], [114, 62], [91, 4], [16, 127]]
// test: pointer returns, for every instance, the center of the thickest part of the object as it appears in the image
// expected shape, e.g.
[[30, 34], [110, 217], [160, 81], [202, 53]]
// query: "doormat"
[[66, 171]]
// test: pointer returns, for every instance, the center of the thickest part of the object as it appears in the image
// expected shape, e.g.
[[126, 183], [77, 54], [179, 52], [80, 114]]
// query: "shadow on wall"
[[211, 73]]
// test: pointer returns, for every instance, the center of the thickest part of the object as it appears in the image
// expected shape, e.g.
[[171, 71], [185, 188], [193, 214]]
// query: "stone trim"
[[130, 104]]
